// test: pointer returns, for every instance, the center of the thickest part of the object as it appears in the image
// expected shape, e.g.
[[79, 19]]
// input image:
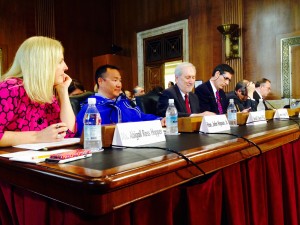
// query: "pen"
[[41, 156]]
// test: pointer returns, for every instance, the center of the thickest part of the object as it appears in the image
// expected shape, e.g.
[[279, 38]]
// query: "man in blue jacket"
[[112, 104]]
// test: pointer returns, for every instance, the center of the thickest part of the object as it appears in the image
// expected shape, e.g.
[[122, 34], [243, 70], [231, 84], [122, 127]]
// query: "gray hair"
[[181, 66]]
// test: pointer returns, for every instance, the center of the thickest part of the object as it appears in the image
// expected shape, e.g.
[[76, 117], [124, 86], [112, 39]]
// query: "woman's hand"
[[53, 133], [63, 87]]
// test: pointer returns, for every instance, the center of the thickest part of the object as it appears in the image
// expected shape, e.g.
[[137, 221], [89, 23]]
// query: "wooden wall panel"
[[132, 16], [84, 28], [16, 16], [88, 28], [264, 20], [205, 41]]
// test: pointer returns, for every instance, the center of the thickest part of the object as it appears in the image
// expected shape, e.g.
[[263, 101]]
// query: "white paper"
[[49, 145], [32, 156], [214, 124], [138, 133], [256, 118], [281, 114]]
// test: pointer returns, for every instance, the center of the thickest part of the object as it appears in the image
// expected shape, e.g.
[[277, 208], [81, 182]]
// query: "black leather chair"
[[148, 102], [76, 100]]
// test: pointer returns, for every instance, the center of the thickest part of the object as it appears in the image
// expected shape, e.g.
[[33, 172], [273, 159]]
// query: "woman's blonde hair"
[[35, 62]]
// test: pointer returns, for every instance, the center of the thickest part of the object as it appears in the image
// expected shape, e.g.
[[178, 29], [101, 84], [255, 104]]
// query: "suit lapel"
[[180, 99]]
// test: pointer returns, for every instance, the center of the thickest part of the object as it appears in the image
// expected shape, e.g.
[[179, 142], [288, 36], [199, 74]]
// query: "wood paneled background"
[[89, 28]]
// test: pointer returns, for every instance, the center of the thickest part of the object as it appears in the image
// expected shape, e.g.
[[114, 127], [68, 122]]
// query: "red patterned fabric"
[[19, 113]]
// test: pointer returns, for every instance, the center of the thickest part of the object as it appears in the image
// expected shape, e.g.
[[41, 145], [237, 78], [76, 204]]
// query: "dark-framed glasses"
[[226, 78]]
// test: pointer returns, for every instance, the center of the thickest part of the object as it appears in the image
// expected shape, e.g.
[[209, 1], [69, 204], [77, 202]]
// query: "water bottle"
[[261, 106], [171, 119], [231, 113], [293, 104], [92, 127]]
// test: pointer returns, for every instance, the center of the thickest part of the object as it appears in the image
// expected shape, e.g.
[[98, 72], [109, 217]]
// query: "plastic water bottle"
[[231, 113], [171, 118], [293, 104], [92, 127], [261, 106]]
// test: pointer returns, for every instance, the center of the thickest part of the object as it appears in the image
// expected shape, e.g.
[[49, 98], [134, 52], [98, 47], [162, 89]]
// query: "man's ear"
[[100, 80]]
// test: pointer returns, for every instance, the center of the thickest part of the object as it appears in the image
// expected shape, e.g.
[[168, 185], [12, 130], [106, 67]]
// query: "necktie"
[[219, 103], [187, 104]]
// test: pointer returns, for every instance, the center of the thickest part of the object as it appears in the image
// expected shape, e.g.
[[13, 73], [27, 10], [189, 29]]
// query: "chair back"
[[77, 100], [148, 102]]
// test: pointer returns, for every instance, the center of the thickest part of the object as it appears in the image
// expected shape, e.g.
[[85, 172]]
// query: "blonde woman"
[[34, 100]]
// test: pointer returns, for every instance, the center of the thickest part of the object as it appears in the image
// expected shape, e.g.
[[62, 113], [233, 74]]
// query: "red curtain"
[[264, 190]]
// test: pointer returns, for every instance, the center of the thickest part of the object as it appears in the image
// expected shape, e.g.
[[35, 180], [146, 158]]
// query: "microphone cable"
[[270, 104], [237, 136], [168, 150]]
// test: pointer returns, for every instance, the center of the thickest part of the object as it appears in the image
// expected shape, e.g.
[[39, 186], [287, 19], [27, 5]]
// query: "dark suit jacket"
[[207, 100], [257, 97], [174, 93], [241, 105]]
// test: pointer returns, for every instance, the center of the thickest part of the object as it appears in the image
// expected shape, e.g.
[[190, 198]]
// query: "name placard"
[[256, 118], [214, 124], [281, 114], [138, 133]]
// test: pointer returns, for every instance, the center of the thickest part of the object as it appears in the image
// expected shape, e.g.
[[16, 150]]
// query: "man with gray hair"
[[186, 102]]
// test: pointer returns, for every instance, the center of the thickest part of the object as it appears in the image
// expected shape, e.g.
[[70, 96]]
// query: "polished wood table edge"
[[110, 191]]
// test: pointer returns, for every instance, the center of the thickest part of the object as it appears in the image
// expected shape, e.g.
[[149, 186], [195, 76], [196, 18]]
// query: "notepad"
[[50, 145], [54, 156], [30, 156]]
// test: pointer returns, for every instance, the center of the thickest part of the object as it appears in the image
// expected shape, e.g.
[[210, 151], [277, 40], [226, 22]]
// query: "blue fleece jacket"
[[112, 111]]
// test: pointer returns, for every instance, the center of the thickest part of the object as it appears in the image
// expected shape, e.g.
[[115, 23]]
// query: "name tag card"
[[138, 133], [214, 124], [256, 118], [281, 114]]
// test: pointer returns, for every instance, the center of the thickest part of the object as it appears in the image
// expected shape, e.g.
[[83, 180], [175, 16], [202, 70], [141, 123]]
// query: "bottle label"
[[232, 115], [92, 132], [92, 119], [171, 121]]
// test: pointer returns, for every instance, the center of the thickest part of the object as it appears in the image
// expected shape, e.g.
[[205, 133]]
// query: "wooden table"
[[117, 177]]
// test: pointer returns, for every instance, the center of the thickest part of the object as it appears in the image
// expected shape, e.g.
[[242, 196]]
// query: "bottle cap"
[[231, 100], [171, 100], [91, 101]]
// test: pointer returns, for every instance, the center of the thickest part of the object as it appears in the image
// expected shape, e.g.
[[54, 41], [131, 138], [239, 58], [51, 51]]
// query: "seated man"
[[262, 90], [186, 102], [241, 98], [113, 106], [211, 94]]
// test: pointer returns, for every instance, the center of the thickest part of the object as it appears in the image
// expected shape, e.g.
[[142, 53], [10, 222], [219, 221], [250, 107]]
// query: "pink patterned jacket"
[[19, 113]]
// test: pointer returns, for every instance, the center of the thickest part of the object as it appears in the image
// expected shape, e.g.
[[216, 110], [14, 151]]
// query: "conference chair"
[[148, 102], [77, 100]]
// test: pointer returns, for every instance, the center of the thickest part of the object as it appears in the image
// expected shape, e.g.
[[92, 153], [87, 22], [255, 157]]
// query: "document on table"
[[31, 156], [49, 145]]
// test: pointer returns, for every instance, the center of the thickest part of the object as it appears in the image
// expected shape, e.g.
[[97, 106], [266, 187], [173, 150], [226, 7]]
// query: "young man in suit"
[[186, 102], [211, 94], [262, 89]]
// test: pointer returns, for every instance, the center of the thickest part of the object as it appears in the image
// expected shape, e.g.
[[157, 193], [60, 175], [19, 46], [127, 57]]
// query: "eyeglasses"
[[226, 78]]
